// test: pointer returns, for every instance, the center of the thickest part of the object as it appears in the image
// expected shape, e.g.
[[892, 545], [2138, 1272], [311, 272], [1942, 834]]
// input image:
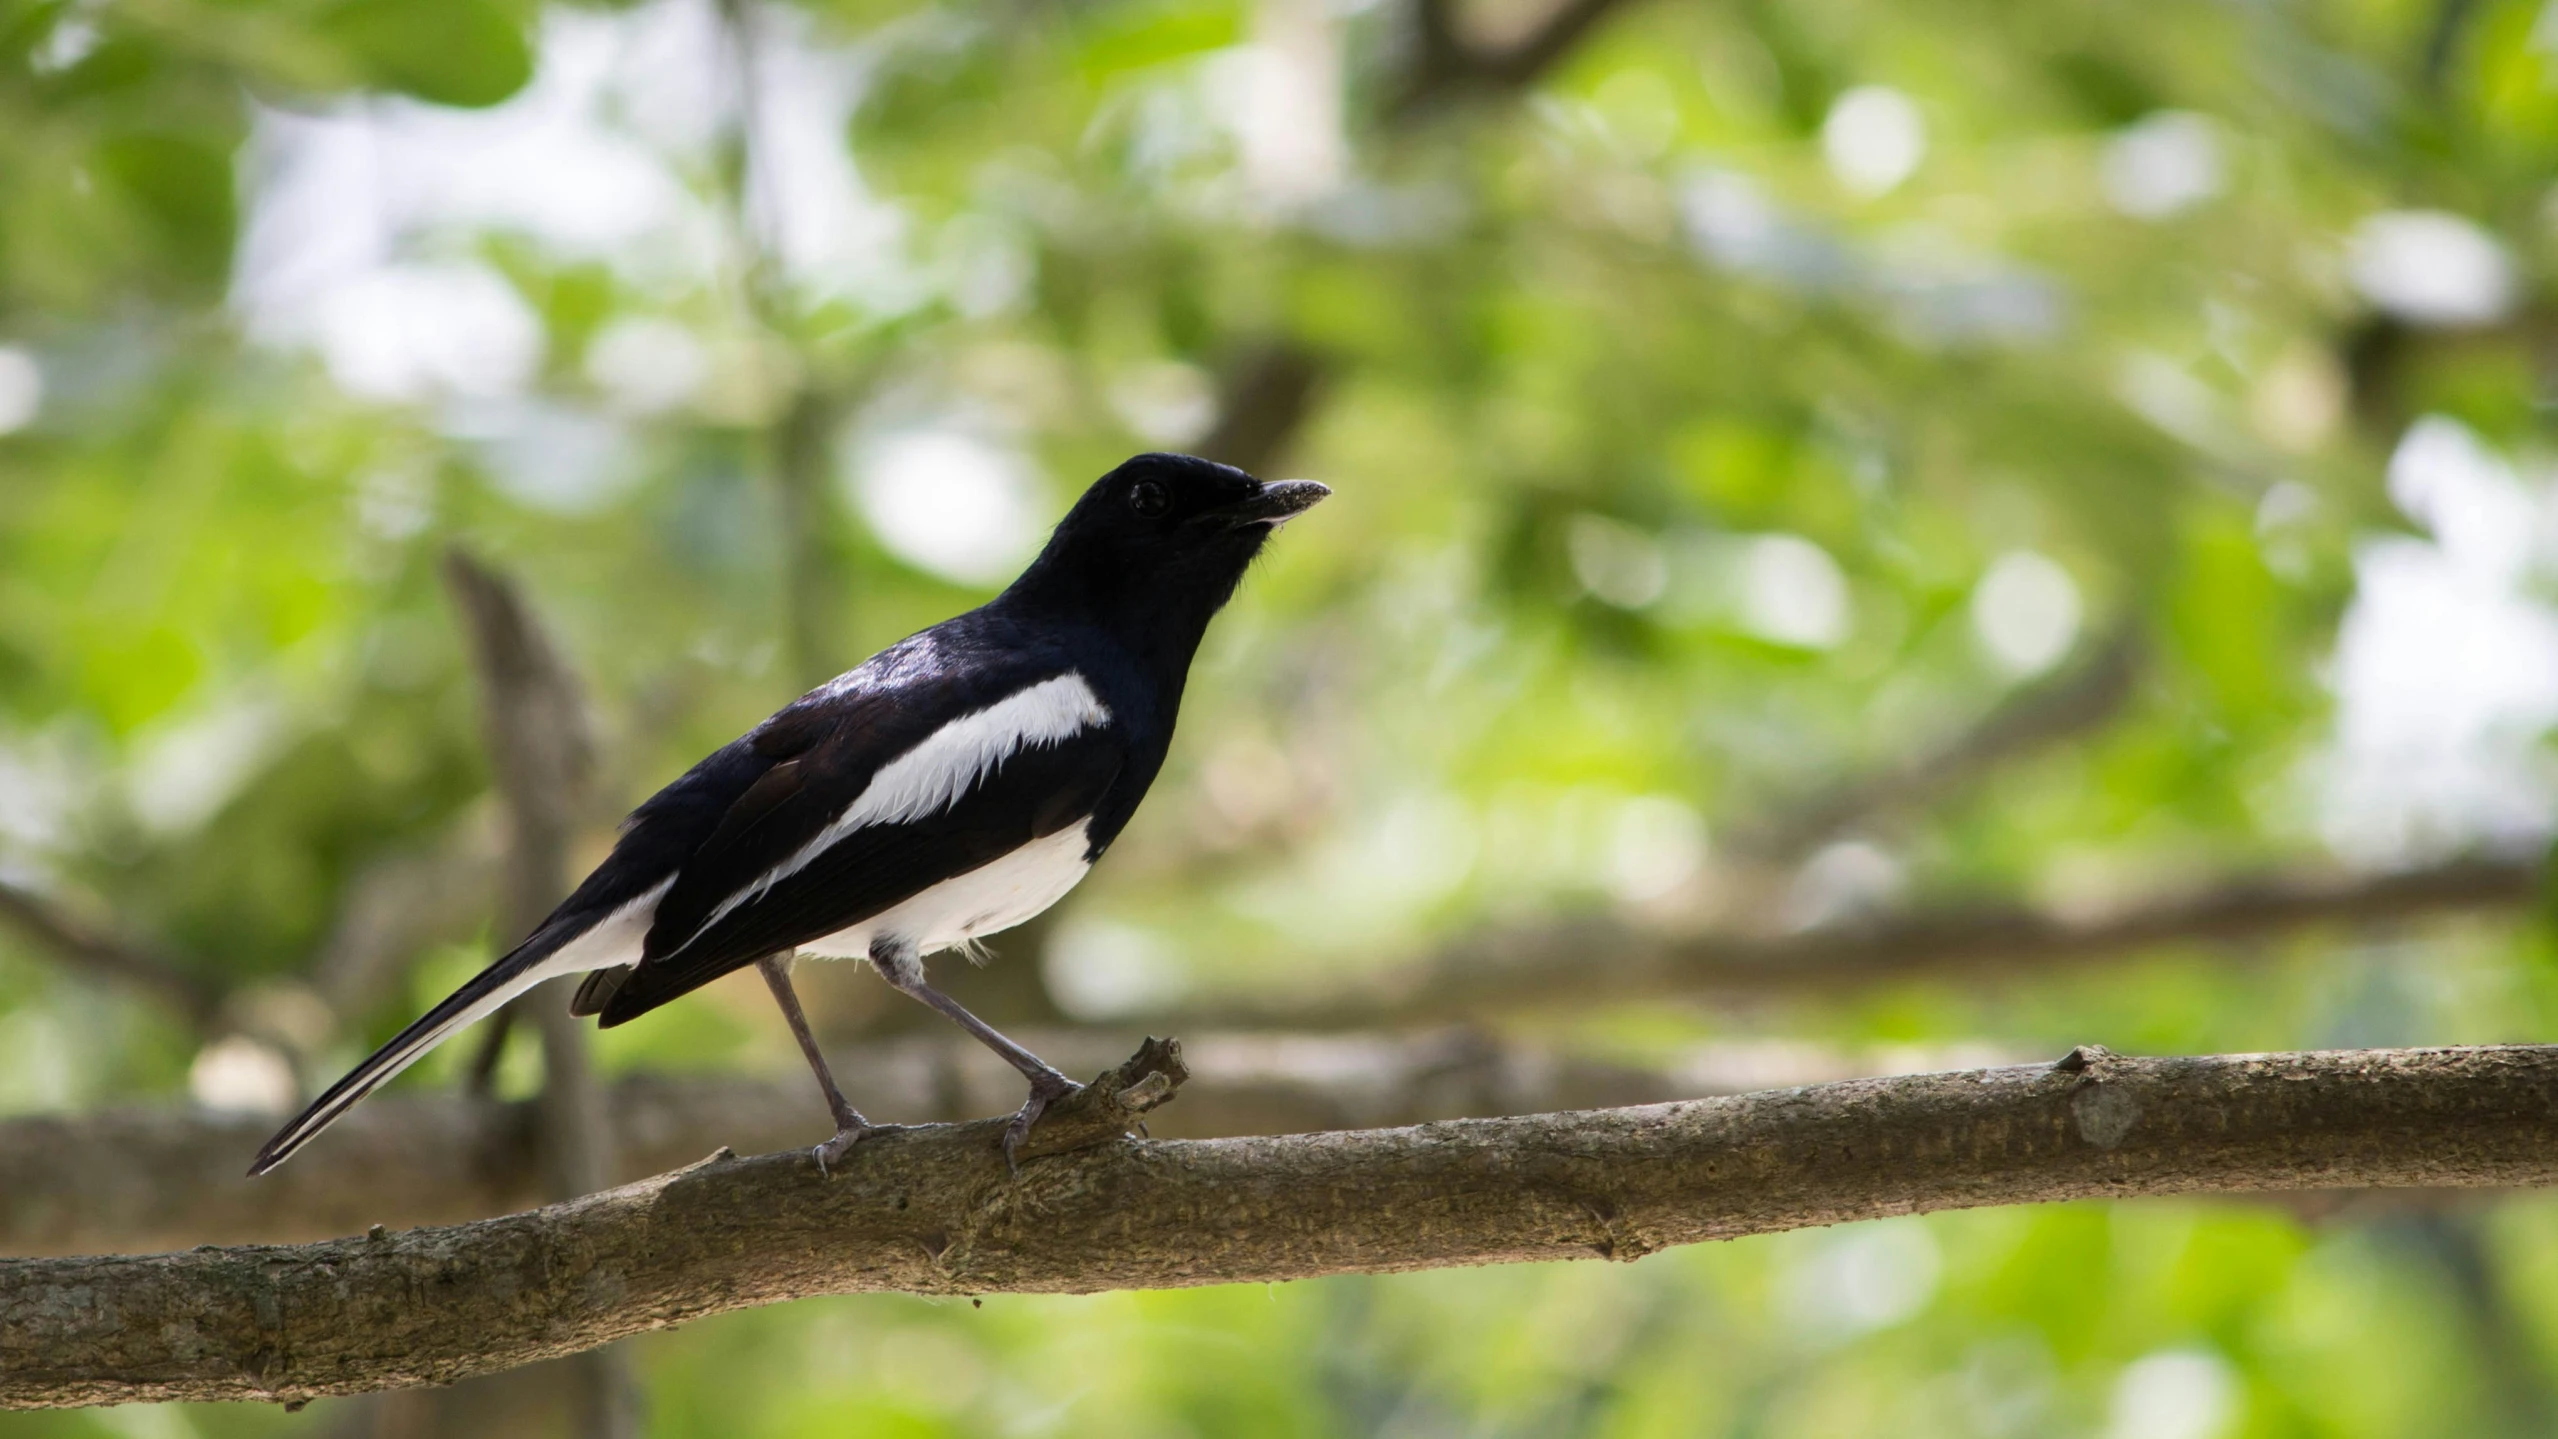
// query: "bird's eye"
[[1148, 498]]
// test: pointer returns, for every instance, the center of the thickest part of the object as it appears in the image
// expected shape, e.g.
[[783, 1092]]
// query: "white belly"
[[985, 900]]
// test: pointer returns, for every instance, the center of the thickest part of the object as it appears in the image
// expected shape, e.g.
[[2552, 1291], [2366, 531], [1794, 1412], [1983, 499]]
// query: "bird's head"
[[1165, 534]]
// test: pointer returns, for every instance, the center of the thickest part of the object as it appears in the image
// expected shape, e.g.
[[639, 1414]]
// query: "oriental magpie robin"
[[953, 785]]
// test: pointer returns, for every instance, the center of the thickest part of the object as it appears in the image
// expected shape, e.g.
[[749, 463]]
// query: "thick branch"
[[143, 1179], [1601, 960], [934, 1211]]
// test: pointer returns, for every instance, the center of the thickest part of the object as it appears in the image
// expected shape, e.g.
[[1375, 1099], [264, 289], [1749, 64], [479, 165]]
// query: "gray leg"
[[898, 963], [850, 1127]]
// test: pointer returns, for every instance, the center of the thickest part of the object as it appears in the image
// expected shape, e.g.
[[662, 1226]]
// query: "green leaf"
[[182, 187], [453, 52], [1132, 37], [2224, 617], [120, 64], [2108, 91]]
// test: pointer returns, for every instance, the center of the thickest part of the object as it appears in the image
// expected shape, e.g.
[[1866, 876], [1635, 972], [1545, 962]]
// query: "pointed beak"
[[1278, 503]]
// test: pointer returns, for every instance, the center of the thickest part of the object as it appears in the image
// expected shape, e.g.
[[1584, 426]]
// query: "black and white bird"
[[955, 784]]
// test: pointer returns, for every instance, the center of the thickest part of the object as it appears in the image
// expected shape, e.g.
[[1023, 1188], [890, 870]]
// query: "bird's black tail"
[[520, 970]]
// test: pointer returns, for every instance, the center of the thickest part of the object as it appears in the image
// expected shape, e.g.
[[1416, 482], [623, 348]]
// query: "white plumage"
[[944, 766], [986, 900]]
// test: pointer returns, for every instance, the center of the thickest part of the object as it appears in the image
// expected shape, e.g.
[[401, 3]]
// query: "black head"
[[1162, 537]]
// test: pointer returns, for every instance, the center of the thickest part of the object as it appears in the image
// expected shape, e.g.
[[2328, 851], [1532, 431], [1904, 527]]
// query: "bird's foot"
[[1047, 1086], [833, 1151]]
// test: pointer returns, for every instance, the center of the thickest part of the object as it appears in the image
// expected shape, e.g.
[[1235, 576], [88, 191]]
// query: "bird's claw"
[[832, 1152], [1045, 1089]]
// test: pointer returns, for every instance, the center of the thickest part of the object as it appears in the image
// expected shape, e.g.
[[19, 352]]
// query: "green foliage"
[[459, 52]]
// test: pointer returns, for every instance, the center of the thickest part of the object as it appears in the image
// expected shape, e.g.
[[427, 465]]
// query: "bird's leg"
[[850, 1127], [899, 964]]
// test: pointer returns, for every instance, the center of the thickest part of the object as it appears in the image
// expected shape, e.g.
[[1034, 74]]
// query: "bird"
[[947, 788]]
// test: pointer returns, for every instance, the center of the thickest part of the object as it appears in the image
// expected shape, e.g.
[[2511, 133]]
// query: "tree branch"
[[2083, 698], [933, 1211], [816, 598], [397, 906], [537, 734], [1446, 65], [534, 720], [538, 738], [1263, 400], [93, 950], [161, 1178], [1601, 960], [798, 440], [393, 908]]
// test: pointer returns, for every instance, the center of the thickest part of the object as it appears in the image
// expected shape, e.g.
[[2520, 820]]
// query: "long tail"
[[519, 971]]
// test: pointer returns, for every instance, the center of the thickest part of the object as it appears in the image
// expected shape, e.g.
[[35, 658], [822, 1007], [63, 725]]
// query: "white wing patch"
[[945, 766], [933, 775]]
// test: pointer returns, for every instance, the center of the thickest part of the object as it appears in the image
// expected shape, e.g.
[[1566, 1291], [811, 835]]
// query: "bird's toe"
[[834, 1151], [1045, 1089]]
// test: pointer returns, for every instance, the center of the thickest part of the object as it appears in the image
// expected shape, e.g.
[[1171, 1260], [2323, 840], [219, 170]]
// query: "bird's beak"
[[1276, 504]]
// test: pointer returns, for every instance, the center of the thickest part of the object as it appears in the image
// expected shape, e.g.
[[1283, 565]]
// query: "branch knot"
[[1114, 1104]]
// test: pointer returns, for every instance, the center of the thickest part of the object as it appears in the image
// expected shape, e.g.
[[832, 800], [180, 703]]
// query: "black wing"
[[1036, 793], [822, 754]]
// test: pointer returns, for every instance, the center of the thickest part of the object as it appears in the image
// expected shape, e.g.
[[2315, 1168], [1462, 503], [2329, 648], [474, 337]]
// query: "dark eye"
[[1148, 498]]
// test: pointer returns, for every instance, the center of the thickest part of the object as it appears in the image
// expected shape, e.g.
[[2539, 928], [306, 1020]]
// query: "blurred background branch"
[[95, 954], [543, 752], [2088, 696], [1449, 64], [1601, 961], [1268, 391]]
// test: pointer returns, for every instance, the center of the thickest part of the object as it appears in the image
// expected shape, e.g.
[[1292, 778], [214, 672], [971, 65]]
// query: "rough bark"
[[145, 1179], [1604, 960], [934, 1211]]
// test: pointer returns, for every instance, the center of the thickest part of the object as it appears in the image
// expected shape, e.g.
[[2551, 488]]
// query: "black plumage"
[[953, 784]]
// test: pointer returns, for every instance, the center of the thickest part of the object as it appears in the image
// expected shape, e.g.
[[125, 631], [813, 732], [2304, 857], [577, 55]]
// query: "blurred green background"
[[1735, 400]]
